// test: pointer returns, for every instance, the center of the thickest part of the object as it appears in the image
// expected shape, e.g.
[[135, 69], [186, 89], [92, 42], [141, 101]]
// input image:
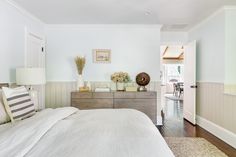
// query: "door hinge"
[[42, 49]]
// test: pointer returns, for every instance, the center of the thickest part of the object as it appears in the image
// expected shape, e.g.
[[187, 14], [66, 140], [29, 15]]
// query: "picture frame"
[[101, 55]]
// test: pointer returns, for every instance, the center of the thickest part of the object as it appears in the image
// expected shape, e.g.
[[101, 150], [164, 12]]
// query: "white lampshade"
[[30, 76]]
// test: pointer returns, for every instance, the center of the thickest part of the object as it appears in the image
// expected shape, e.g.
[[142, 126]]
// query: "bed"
[[69, 132]]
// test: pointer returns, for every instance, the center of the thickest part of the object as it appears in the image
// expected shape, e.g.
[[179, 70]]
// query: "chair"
[[178, 88], [175, 87]]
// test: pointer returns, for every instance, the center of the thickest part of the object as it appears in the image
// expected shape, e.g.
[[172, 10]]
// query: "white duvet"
[[68, 132]]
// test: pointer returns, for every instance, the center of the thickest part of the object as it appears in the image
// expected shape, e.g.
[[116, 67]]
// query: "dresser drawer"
[[146, 95], [85, 104], [81, 95], [125, 95], [147, 106], [103, 95], [132, 95], [141, 101]]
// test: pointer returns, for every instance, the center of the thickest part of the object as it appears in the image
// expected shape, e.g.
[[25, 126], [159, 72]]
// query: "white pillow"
[[18, 103], [4, 118]]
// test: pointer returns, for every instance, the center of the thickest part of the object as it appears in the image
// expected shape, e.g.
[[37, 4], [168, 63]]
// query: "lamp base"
[[142, 89], [34, 96]]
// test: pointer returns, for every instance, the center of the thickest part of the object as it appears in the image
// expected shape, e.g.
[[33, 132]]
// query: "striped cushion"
[[18, 103], [4, 118]]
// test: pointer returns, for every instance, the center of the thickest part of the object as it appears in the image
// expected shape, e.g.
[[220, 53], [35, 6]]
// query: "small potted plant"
[[120, 78], [80, 63]]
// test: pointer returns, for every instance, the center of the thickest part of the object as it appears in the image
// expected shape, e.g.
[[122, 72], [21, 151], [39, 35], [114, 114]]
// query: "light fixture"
[[30, 77], [147, 13]]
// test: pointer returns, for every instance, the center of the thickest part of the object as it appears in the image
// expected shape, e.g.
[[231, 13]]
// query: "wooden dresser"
[[145, 102]]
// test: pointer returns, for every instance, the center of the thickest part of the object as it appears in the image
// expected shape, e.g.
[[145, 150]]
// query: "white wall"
[[13, 21], [135, 48], [174, 38], [210, 36], [215, 45], [230, 56]]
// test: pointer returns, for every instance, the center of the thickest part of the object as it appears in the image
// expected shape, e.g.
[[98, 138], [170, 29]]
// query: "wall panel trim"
[[223, 134]]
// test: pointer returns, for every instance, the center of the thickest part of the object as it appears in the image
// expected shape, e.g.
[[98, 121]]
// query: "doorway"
[[172, 80], [178, 80]]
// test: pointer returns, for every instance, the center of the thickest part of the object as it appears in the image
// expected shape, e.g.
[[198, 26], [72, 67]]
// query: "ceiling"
[[172, 52], [173, 14]]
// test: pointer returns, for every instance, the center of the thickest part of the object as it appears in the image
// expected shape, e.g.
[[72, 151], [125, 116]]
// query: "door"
[[35, 57], [189, 106]]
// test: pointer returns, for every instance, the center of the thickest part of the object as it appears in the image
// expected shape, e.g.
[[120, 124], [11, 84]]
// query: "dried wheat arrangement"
[[80, 63]]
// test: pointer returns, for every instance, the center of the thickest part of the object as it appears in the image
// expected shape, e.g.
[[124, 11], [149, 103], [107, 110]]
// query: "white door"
[[35, 57], [189, 111]]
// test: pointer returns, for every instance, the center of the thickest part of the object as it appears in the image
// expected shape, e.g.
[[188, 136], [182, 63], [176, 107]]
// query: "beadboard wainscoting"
[[58, 93], [217, 111]]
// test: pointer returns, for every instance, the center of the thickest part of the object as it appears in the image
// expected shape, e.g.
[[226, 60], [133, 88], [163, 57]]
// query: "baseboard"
[[159, 120], [220, 132]]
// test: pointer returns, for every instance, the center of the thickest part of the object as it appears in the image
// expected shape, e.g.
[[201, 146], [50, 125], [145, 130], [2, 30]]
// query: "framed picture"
[[102, 56]]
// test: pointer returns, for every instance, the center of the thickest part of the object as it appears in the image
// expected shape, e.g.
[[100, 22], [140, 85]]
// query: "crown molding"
[[113, 26], [220, 10], [23, 11], [230, 7]]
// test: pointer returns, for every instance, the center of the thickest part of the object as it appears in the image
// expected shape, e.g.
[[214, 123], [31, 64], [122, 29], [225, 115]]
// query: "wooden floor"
[[175, 126]]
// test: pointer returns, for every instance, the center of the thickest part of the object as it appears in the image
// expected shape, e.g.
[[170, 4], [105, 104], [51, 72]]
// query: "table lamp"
[[30, 77]]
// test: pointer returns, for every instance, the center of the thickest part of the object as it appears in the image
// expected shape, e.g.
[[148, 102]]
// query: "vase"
[[120, 86], [88, 85], [80, 82]]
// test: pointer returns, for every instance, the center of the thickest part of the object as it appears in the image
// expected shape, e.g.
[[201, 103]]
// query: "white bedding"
[[68, 132]]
